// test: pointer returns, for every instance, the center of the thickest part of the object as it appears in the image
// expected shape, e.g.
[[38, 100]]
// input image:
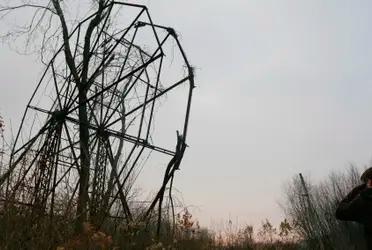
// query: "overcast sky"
[[283, 87]]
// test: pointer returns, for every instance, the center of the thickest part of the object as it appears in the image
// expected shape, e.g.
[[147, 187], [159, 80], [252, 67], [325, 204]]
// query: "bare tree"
[[311, 210], [80, 77], [94, 68]]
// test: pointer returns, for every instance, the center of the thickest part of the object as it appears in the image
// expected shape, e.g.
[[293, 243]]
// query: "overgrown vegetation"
[[182, 233], [311, 208], [187, 235]]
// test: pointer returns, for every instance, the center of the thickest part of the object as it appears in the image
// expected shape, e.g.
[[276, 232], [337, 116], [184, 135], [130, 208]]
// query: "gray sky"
[[282, 87]]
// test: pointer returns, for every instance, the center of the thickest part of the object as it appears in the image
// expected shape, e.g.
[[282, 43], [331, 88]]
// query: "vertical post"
[[312, 212]]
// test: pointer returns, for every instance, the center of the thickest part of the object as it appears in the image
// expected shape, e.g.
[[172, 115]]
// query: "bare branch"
[[86, 53], [10, 8], [68, 55]]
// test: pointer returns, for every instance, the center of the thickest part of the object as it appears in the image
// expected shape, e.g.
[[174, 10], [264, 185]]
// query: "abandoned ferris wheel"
[[92, 128]]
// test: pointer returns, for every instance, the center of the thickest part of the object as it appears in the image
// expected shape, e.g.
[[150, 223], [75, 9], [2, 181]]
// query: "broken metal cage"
[[133, 72]]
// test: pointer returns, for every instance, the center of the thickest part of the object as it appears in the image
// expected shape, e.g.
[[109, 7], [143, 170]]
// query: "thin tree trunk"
[[82, 83], [84, 161]]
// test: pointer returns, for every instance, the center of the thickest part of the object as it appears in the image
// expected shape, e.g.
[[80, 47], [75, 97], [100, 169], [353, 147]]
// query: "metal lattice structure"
[[128, 81]]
